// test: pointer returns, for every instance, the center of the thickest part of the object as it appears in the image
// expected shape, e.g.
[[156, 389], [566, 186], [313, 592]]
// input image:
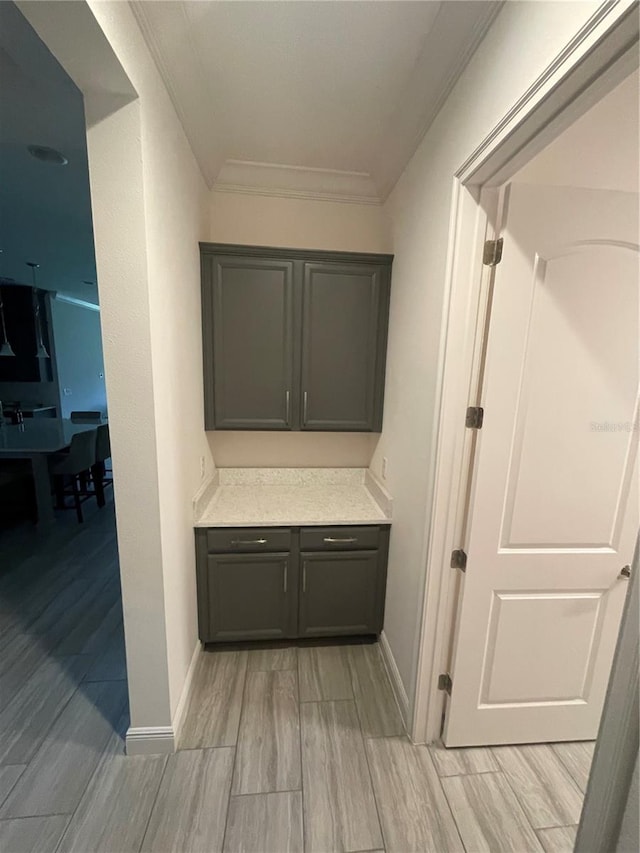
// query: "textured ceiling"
[[340, 92]]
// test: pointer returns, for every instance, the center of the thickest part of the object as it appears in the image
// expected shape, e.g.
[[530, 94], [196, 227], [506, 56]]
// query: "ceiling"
[[599, 150], [319, 99], [45, 210]]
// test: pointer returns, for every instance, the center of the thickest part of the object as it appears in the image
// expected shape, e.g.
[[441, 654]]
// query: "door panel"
[[554, 501], [253, 343], [340, 346], [339, 594], [250, 597]]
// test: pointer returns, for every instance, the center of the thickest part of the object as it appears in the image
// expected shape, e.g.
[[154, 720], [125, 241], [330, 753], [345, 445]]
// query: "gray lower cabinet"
[[279, 583], [339, 594], [249, 597], [293, 339]]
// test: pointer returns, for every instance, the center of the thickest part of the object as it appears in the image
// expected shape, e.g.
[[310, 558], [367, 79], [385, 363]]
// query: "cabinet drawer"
[[248, 539], [338, 538]]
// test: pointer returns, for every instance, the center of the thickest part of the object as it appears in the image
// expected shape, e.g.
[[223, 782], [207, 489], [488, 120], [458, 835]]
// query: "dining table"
[[36, 440]]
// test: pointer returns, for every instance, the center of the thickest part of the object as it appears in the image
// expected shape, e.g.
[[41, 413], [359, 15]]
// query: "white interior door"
[[554, 501]]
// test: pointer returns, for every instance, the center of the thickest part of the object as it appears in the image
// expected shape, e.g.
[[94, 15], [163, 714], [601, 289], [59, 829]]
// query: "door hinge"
[[459, 560], [445, 683], [492, 253], [474, 417]]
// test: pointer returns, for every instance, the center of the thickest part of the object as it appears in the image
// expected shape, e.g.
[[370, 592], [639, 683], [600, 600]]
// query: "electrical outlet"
[[203, 467], [384, 467]]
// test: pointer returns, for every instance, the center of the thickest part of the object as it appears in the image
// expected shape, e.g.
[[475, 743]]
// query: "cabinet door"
[[343, 346], [340, 593], [248, 342], [250, 597]]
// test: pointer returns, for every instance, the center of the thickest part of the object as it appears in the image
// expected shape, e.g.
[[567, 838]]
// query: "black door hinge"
[[445, 683], [492, 253], [459, 560], [474, 417]]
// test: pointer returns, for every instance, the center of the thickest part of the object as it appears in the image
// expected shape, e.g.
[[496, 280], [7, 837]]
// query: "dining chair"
[[75, 469], [99, 470], [86, 417]]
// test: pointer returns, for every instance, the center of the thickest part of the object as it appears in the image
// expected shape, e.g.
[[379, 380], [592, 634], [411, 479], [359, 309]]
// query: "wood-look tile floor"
[[284, 749]]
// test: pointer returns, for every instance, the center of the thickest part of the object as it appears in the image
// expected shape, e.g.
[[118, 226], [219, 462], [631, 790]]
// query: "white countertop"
[[291, 497]]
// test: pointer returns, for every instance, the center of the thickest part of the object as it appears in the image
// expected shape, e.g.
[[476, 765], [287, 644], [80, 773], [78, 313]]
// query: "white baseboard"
[[394, 677], [162, 740], [150, 740], [181, 710]]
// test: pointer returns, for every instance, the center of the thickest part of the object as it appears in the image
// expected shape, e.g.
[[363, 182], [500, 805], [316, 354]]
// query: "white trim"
[[150, 740], [591, 64], [183, 702], [62, 297], [399, 692], [281, 192]]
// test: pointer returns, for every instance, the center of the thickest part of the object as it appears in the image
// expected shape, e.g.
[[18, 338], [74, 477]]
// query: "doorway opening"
[[63, 679]]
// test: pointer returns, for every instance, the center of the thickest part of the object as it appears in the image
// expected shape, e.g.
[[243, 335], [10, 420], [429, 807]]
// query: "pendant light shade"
[[41, 350], [5, 347]]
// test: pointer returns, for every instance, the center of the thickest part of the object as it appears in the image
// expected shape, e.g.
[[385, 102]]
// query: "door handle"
[[305, 400], [304, 576], [287, 397], [285, 572], [625, 572]]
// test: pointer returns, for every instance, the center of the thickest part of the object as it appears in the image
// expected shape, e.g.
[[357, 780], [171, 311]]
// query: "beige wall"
[[299, 224], [522, 42]]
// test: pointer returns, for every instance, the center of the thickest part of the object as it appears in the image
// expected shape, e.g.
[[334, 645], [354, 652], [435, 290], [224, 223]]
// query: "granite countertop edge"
[[221, 500]]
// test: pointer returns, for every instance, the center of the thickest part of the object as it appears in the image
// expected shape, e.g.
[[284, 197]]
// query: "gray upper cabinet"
[[342, 354], [248, 307], [293, 339]]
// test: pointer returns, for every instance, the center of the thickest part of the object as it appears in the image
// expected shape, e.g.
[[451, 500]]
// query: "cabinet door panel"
[[250, 597], [339, 594], [252, 308], [340, 342]]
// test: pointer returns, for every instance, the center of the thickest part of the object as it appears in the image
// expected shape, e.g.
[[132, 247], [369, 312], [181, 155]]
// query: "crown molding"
[[275, 179]]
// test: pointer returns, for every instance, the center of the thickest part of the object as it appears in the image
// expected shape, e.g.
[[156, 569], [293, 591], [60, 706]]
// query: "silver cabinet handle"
[[287, 397], [304, 576], [333, 540], [625, 572], [285, 572], [248, 541], [305, 400]]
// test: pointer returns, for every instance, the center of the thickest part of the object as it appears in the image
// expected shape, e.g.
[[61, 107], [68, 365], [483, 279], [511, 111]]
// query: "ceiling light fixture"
[[41, 351], [47, 155]]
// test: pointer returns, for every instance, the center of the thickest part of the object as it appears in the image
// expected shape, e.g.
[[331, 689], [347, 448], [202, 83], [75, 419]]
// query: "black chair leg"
[[76, 499], [97, 473]]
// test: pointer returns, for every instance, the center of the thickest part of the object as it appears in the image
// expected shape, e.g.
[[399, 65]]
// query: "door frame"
[[600, 56]]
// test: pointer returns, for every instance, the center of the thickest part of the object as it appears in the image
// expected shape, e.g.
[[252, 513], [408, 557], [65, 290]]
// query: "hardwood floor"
[[282, 750]]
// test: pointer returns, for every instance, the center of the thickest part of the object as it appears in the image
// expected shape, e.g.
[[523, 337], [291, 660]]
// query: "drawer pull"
[[248, 541], [332, 540]]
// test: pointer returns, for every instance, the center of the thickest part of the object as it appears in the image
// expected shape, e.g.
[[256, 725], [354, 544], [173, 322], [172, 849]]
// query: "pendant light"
[[41, 351], [5, 349]]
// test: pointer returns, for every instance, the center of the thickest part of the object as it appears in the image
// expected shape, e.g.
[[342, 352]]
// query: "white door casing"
[[554, 506]]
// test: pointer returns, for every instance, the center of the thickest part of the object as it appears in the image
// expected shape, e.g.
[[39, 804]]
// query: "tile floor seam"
[[519, 799], [373, 787], [153, 804], [235, 752], [226, 814]]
